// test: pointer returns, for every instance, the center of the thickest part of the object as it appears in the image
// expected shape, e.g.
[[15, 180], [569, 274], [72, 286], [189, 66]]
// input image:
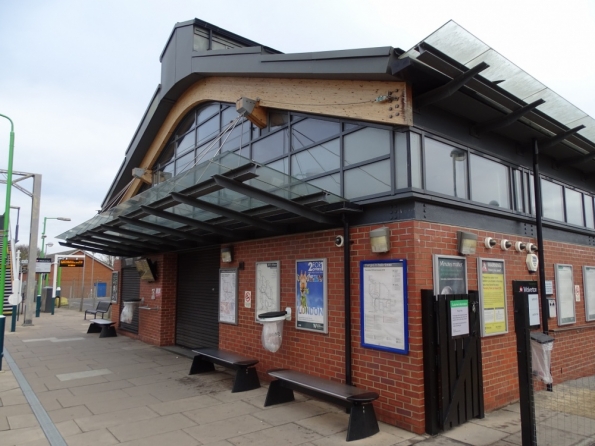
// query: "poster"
[[228, 296], [589, 288], [450, 275], [492, 295], [383, 297], [534, 320], [268, 287], [565, 294], [459, 317], [311, 297]]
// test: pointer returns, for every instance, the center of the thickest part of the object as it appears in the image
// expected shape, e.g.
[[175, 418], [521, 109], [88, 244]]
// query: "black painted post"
[[430, 336], [523, 341]]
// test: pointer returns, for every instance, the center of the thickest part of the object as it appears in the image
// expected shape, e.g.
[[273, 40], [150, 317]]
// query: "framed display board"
[[311, 307], [450, 274], [115, 282], [268, 287], [383, 298], [492, 296], [228, 296], [589, 289], [565, 294]]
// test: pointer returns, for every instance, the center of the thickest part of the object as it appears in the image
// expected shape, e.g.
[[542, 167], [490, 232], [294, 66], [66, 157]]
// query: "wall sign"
[[492, 296], [450, 274], [268, 287], [228, 295], [565, 294], [589, 289], [311, 306], [459, 317], [383, 297]]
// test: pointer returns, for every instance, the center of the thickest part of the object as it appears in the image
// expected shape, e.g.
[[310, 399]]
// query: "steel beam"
[[189, 222], [162, 229], [506, 120]]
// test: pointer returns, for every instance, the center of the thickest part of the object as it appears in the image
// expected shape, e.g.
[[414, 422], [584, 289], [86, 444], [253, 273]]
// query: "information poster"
[[459, 317], [311, 297], [565, 294], [534, 320], [492, 295], [268, 287], [450, 275], [228, 296], [589, 288], [383, 297]]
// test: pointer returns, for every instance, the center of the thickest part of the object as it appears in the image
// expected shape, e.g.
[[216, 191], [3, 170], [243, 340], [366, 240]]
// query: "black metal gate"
[[452, 363], [197, 309], [130, 292]]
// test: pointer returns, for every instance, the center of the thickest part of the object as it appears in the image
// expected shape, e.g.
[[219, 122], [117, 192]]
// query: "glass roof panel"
[[462, 46], [268, 180]]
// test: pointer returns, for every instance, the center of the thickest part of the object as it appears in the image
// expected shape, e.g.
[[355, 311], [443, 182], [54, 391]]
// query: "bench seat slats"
[[331, 388]]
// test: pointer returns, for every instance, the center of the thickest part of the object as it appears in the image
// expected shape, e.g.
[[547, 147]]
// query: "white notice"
[[533, 309]]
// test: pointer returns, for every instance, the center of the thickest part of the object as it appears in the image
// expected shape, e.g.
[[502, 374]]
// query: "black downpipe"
[[347, 286], [540, 254]]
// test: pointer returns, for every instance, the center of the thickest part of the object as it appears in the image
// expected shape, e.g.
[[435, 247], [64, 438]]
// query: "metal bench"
[[246, 376], [103, 326], [362, 418], [102, 307]]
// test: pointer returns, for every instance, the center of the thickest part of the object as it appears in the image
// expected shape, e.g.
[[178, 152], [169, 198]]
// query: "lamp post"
[[45, 220], [5, 237]]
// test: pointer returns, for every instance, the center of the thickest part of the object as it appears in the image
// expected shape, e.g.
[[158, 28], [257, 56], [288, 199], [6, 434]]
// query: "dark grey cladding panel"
[[385, 212], [176, 58]]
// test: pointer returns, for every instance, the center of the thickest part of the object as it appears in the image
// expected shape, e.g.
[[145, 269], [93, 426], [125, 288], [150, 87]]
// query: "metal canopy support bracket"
[[274, 200], [141, 235], [252, 111], [506, 120], [448, 89], [220, 210], [162, 229]]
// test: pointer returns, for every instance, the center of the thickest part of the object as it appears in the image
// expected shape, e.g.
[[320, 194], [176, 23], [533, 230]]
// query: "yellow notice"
[[494, 297]]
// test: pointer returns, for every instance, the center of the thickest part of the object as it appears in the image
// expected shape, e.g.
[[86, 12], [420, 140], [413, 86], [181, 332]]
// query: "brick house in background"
[[354, 163]]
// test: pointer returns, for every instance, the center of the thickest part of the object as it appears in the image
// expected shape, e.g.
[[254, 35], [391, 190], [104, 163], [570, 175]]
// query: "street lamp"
[[45, 220]]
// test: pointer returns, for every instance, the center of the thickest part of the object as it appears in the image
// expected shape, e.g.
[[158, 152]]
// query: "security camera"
[[505, 245], [489, 242], [531, 248], [339, 240], [519, 246]]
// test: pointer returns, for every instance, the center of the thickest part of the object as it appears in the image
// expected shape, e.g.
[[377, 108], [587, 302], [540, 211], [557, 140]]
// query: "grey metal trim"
[[45, 422]]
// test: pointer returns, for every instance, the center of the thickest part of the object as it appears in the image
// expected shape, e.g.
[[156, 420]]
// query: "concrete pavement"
[[62, 386]]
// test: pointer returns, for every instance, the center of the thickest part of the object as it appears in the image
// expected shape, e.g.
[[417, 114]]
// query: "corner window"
[[365, 144], [446, 168]]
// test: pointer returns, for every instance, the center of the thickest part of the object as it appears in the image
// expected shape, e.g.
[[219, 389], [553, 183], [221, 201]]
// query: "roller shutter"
[[198, 299], [130, 291]]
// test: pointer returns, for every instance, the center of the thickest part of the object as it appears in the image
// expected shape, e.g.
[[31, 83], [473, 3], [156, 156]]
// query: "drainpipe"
[[347, 287], [538, 213]]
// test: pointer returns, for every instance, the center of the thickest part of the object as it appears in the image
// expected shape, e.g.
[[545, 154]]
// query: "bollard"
[[38, 305], [13, 323], [2, 325]]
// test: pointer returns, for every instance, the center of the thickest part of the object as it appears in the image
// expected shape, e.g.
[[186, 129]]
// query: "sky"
[[76, 76]]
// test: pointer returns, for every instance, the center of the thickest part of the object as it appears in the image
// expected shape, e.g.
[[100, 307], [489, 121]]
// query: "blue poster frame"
[[392, 263]]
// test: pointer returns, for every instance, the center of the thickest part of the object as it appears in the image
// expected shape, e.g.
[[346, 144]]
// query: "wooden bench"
[[103, 326], [246, 376], [362, 418], [102, 307]]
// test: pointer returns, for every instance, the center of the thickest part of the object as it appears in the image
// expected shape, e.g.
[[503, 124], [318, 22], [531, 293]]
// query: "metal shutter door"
[[197, 318], [130, 291]]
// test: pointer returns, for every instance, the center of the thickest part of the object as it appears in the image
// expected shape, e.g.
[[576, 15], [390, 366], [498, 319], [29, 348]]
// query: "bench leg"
[[94, 328], [362, 422], [200, 366], [108, 331], [278, 394], [246, 379]]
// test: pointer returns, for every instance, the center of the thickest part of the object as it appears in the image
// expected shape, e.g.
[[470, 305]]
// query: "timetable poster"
[[311, 300]]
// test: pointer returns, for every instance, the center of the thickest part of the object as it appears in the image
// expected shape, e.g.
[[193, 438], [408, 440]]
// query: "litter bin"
[[130, 308], [47, 302], [541, 356], [272, 329]]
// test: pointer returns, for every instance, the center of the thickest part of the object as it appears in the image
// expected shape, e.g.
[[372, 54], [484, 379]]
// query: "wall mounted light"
[[466, 243], [380, 239], [226, 254]]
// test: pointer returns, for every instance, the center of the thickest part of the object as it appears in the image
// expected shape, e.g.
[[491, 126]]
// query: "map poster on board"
[[565, 294], [311, 298], [450, 275], [383, 297], [589, 287], [228, 295], [492, 295], [268, 285]]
